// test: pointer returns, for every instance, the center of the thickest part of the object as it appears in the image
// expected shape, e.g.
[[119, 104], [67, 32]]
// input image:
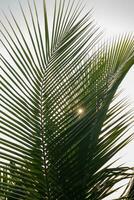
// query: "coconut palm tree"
[[61, 122]]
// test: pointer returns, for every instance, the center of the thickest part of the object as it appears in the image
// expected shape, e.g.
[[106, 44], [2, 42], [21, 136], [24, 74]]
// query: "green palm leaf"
[[130, 194], [60, 121]]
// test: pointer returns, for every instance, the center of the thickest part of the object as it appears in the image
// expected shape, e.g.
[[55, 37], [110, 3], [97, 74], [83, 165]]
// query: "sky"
[[115, 17]]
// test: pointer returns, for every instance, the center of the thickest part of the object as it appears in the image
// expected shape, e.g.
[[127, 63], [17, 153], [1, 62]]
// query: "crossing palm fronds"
[[60, 121]]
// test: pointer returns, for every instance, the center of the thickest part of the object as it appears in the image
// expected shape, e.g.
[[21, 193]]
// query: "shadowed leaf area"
[[61, 122]]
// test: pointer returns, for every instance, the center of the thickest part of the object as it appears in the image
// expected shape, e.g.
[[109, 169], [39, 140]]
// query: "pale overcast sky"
[[114, 16]]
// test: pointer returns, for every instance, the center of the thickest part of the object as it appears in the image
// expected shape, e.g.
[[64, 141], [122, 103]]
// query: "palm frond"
[[50, 150]]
